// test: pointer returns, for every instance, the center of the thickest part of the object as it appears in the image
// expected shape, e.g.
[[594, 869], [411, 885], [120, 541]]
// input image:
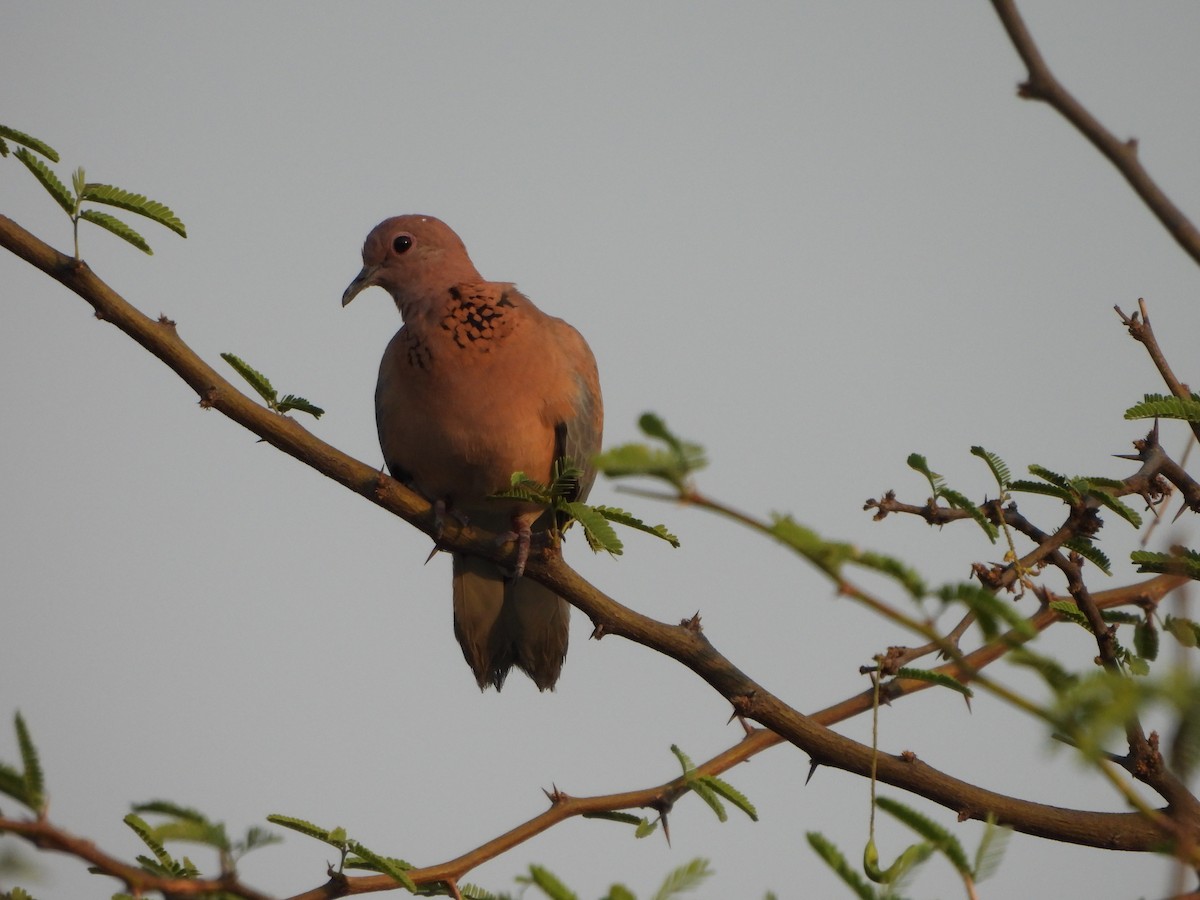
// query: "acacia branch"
[[685, 643], [1141, 331], [46, 836], [1042, 85]]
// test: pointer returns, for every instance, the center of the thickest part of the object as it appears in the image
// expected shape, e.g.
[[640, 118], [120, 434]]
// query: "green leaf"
[[645, 828], [836, 861], [137, 203], [549, 883], [35, 782], [255, 378], [258, 837], [46, 177], [117, 227], [308, 828], [1183, 630], [526, 490], [709, 796], [1109, 501], [684, 760], [941, 839], [600, 535], [937, 678], [1119, 617], [1067, 609], [621, 517], [989, 609], [12, 783], [913, 855], [291, 401], [1052, 672], [686, 878], [673, 464], [207, 833], [393, 868], [1089, 551], [1036, 487], [1186, 562], [991, 849], [959, 501], [620, 892], [906, 577], [1060, 481], [20, 137], [732, 794], [167, 808], [918, 463], [146, 833], [1163, 406], [996, 464], [831, 556], [19, 894], [1145, 639]]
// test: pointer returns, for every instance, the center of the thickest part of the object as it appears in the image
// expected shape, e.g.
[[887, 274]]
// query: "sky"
[[815, 238]]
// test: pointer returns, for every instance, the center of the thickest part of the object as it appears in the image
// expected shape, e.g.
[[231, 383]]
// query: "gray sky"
[[814, 237]]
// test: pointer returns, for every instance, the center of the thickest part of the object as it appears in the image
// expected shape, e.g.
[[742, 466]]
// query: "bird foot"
[[440, 511], [522, 535]]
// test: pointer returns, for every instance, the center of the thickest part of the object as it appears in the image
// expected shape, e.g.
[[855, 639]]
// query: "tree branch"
[[1042, 85], [685, 643]]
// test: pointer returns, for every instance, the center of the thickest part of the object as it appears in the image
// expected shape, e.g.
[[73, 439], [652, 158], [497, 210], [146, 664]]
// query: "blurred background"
[[814, 237]]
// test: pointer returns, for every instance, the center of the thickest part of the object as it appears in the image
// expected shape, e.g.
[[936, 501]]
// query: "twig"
[[1042, 85]]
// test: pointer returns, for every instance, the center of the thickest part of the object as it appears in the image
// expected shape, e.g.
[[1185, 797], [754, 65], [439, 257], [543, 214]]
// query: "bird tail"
[[501, 623]]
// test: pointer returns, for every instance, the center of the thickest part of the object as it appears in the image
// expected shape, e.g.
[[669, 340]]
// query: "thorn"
[[598, 632], [432, 553], [812, 770], [746, 726], [692, 624], [662, 817], [554, 795], [208, 399], [163, 320]]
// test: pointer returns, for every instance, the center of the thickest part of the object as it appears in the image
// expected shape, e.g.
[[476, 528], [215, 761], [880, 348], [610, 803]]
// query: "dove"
[[477, 384]]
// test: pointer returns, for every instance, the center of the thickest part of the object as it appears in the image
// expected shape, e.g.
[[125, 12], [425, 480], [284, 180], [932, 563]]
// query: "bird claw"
[[522, 535]]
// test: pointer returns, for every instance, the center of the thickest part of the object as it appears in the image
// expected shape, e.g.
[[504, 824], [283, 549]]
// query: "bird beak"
[[362, 281]]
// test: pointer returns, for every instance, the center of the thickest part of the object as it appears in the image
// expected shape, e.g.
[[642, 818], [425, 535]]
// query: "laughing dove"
[[478, 384]]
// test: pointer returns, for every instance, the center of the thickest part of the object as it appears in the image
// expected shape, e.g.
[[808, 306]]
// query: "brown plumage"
[[479, 383]]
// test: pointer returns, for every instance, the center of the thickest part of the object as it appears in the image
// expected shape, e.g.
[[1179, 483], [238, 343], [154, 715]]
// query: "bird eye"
[[402, 242]]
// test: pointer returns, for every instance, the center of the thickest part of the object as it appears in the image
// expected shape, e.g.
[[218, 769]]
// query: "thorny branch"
[[688, 645], [1042, 85], [1124, 831]]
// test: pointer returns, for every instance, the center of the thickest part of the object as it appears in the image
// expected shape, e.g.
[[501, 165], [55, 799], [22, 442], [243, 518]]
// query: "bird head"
[[414, 258]]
